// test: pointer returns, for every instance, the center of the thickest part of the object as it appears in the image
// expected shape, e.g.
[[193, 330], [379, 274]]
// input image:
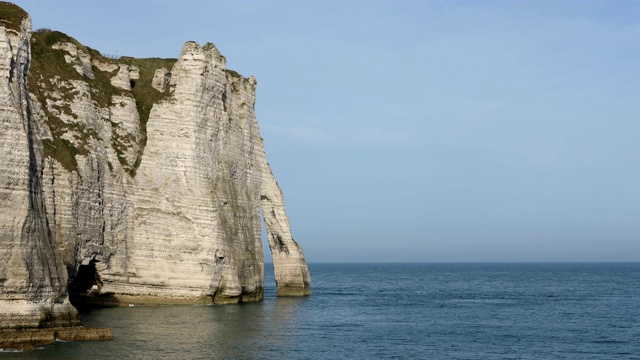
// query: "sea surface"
[[393, 311]]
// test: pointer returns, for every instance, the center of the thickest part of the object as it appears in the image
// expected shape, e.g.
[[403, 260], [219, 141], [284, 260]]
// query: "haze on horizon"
[[423, 130]]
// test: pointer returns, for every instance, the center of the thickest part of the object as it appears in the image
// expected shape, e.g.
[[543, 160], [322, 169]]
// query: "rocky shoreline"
[[29, 339]]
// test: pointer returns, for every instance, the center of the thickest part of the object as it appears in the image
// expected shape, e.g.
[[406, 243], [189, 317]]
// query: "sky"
[[423, 131]]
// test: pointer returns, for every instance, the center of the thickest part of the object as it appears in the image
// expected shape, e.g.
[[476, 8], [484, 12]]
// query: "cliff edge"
[[130, 181]]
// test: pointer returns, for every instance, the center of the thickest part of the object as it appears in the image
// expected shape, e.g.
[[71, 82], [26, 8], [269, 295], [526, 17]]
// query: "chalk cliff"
[[130, 181]]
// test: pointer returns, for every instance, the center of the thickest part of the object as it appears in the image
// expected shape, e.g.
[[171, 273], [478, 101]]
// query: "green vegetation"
[[146, 95], [49, 73], [11, 15], [50, 37], [47, 68], [234, 73], [234, 84], [48, 63], [63, 151]]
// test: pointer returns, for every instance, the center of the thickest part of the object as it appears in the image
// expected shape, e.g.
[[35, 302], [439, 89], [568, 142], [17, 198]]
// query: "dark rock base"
[[29, 339]]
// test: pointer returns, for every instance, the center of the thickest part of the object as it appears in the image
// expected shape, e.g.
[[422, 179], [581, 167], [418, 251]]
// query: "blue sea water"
[[394, 311]]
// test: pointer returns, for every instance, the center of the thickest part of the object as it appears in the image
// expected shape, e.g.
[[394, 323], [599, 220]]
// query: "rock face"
[[29, 339], [130, 181], [32, 277]]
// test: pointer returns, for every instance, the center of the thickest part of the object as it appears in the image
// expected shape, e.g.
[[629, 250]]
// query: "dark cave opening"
[[84, 285]]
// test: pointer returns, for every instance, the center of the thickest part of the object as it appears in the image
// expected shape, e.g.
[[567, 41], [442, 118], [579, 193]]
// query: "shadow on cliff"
[[84, 290]]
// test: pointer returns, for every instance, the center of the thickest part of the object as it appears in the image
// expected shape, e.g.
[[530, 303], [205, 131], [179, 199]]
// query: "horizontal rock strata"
[[130, 181], [29, 339]]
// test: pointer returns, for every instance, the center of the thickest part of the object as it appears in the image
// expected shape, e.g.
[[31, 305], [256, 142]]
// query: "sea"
[[393, 311]]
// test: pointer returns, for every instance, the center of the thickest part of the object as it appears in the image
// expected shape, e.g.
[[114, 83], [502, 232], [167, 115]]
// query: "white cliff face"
[[32, 277], [79, 59], [291, 273], [135, 182], [161, 79], [195, 226]]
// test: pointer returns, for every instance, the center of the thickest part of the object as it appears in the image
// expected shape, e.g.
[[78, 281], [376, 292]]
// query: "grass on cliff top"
[[11, 15], [146, 95], [48, 70], [234, 73], [48, 63]]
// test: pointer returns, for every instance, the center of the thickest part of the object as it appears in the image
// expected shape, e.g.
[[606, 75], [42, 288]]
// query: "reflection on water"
[[380, 311], [244, 331], [218, 331]]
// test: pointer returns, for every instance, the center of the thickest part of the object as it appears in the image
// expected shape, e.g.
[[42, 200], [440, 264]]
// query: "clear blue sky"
[[423, 130]]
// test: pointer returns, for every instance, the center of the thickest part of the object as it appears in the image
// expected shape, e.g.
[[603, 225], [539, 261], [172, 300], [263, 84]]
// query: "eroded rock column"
[[290, 267]]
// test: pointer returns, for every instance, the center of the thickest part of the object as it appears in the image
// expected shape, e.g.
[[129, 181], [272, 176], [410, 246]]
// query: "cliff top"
[[11, 15], [50, 64], [58, 58]]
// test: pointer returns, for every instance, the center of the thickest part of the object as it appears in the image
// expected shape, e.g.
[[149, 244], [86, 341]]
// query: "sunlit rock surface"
[[130, 181]]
